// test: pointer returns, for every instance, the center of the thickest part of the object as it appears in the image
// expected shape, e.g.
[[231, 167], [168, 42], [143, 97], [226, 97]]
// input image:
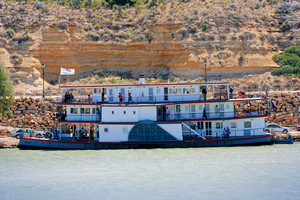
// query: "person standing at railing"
[[120, 98], [89, 98], [129, 96], [167, 113], [204, 92]]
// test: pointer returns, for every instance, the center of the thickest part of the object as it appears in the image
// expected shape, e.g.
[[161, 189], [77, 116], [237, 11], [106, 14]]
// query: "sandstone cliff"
[[232, 45]]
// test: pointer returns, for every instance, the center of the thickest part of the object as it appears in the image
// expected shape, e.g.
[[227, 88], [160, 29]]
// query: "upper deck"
[[145, 93]]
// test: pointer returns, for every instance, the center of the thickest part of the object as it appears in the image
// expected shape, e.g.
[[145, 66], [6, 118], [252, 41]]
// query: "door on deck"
[[221, 110], [111, 97], [208, 129], [166, 94], [193, 112], [150, 94], [207, 108], [177, 112], [160, 113], [104, 96]]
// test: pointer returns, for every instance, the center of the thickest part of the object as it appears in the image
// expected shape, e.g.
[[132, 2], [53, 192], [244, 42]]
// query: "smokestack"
[[142, 79]]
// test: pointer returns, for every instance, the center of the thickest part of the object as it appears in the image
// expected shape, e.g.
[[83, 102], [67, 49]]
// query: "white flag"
[[65, 71]]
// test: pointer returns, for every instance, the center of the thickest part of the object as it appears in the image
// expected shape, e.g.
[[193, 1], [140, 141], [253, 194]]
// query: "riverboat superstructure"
[[156, 115]]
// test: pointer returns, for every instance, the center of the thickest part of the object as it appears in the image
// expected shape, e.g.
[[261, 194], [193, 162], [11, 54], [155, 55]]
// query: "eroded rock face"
[[163, 55], [240, 51]]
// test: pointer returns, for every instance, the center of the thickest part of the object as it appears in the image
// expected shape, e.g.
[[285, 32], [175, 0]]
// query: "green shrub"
[[93, 36], [10, 32], [289, 62], [204, 27], [286, 25]]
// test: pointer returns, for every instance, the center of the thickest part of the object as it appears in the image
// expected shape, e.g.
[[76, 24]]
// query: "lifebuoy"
[[247, 112], [241, 93]]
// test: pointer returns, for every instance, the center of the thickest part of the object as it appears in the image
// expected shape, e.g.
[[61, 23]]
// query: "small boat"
[[288, 140], [171, 115]]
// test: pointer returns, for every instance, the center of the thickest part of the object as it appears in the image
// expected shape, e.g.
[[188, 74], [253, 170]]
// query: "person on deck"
[[120, 98], [129, 96], [167, 113], [89, 98], [204, 92], [227, 132]]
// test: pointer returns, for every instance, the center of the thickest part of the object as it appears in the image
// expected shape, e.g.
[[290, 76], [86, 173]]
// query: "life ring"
[[247, 112], [241, 93]]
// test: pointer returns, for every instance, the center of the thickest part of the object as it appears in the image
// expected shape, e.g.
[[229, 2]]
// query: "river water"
[[258, 172]]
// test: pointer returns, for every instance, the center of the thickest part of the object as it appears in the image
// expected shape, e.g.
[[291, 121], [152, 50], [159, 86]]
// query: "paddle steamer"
[[156, 116]]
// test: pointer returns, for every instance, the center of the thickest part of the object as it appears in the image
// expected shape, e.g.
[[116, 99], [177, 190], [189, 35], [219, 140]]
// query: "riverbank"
[[8, 142]]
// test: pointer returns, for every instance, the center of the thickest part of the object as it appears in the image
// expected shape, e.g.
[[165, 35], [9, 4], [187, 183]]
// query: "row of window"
[[219, 125], [171, 91], [184, 91], [83, 111]]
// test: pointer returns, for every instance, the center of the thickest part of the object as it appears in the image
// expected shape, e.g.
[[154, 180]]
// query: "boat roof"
[[133, 85]]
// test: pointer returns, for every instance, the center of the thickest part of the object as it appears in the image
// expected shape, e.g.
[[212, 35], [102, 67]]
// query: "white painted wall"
[[120, 114], [116, 133], [147, 113], [119, 133]]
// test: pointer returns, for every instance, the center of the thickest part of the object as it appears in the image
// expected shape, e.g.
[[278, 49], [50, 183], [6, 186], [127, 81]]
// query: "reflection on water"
[[264, 172]]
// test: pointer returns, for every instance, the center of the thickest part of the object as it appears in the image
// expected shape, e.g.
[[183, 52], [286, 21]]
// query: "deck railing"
[[222, 134], [155, 98]]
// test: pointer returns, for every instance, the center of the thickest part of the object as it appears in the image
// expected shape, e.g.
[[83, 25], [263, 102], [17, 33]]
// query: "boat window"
[[94, 110], [247, 124], [233, 124], [189, 90], [133, 112], [95, 90], [200, 125], [87, 111], [106, 130], [192, 90], [124, 112], [219, 125], [200, 108], [73, 110], [99, 90], [81, 110], [178, 91], [112, 112], [172, 91]]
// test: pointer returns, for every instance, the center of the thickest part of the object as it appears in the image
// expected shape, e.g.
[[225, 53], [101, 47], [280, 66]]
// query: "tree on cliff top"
[[289, 62], [6, 91]]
